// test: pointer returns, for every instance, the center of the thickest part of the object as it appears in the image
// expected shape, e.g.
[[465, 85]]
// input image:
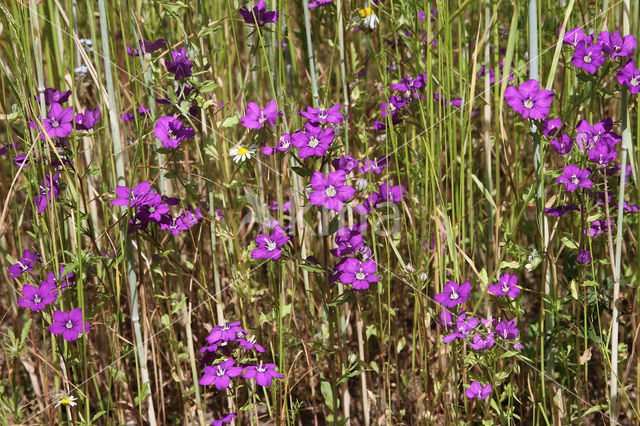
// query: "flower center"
[[505, 288], [152, 209], [260, 368], [271, 245], [322, 115], [587, 59], [243, 151], [262, 118], [360, 275], [635, 80], [220, 372], [575, 179], [313, 142], [528, 103], [454, 295], [330, 191], [65, 401], [69, 324], [172, 134], [37, 299]]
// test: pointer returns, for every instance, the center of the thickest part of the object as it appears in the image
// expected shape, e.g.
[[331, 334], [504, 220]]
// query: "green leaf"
[[230, 121], [333, 225], [207, 86], [300, 171], [569, 243], [327, 392], [25, 331]]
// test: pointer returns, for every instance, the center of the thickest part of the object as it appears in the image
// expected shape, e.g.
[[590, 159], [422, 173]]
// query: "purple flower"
[[259, 15], [454, 294], [506, 286], [318, 115], [463, 328], [602, 153], [154, 207], [181, 65], [630, 76], [54, 96], [4, 149], [49, 190], [142, 110], [446, 320], [551, 128], [225, 333], [313, 141], [584, 257], [220, 375], [318, 3], [147, 47], [588, 135], [375, 166], [263, 373], [346, 163], [598, 227], [349, 240], [284, 143], [88, 120], [224, 419], [480, 344], [359, 274], [614, 45], [36, 298], [69, 324], [528, 100], [24, 264], [574, 177], [62, 279], [255, 117], [562, 145], [476, 390], [560, 210], [575, 35], [330, 192], [59, 123], [269, 245], [392, 194], [171, 132], [507, 329], [588, 58], [132, 197], [408, 84], [250, 344], [370, 203]]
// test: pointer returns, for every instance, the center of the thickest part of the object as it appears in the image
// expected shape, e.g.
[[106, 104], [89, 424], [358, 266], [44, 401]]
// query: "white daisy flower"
[[68, 400], [369, 18], [242, 153]]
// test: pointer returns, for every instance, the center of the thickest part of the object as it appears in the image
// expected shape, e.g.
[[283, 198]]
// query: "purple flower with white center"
[[269, 246], [392, 194], [454, 294], [59, 123], [284, 144], [37, 298], [480, 344], [171, 132], [463, 328], [576, 35], [598, 227], [318, 115], [374, 166], [574, 177], [349, 240], [147, 47], [255, 117], [346, 163], [331, 191], [220, 375], [528, 100], [589, 58], [225, 333], [154, 208], [263, 373], [408, 84], [588, 135], [88, 119], [584, 257], [630, 76], [224, 419], [49, 190], [318, 3], [562, 145], [250, 344], [181, 65], [24, 264], [560, 210], [602, 153], [478, 391], [132, 197], [259, 15], [508, 330], [551, 128], [507, 286], [69, 324], [359, 274], [313, 141], [615, 45]]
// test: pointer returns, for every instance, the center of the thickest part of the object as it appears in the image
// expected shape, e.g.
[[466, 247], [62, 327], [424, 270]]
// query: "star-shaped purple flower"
[[263, 373], [220, 375], [226, 332], [476, 390], [269, 246], [132, 197], [528, 100], [37, 298], [508, 330], [259, 15], [630, 76], [507, 286], [313, 141], [60, 122], [171, 132], [49, 190], [562, 145], [464, 327], [255, 117], [359, 274], [88, 119], [24, 264], [574, 177], [69, 324], [480, 344], [331, 191], [319, 115], [589, 58], [615, 45], [454, 294], [181, 65], [223, 420]]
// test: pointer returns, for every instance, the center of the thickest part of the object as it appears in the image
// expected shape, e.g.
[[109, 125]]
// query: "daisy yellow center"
[[65, 401], [528, 103], [243, 151], [365, 12], [330, 191], [313, 142]]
